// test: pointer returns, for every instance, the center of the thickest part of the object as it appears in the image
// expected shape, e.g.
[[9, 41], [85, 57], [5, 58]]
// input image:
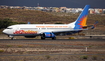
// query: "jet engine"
[[48, 35]]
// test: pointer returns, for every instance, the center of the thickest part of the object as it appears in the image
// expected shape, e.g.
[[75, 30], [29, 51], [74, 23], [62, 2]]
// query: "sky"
[[55, 3]]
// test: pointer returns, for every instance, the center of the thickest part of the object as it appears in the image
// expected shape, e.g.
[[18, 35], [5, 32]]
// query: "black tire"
[[12, 38], [43, 38], [54, 38]]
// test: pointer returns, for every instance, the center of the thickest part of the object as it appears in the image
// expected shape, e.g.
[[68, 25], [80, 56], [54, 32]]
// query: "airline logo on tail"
[[81, 20]]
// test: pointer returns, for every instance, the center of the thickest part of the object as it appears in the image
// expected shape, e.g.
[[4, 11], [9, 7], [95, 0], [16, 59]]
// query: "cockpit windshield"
[[8, 28]]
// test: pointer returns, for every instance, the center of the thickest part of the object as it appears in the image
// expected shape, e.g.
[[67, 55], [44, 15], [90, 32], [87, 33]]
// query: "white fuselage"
[[35, 29]]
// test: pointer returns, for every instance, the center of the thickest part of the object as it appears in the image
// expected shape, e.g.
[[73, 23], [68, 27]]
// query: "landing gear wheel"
[[12, 38], [54, 38], [43, 38]]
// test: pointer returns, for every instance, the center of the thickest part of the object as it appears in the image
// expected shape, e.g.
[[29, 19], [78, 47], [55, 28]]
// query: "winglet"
[[94, 25]]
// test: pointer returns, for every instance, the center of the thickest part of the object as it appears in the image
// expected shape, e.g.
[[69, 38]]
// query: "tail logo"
[[82, 21]]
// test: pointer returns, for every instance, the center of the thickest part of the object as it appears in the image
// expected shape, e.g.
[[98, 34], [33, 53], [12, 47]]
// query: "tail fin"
[[81, 20]]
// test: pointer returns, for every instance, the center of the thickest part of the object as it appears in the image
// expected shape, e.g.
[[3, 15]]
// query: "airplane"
[[49, 30]]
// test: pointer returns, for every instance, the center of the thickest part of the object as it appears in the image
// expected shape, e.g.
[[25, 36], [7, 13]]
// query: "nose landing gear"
[[12, 37]]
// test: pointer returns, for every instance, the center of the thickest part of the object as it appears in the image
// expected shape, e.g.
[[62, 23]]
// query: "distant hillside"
[[19, 15], [39, 17], [33, 16]]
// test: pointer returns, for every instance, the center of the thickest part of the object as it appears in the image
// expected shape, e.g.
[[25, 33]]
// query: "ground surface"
[[52, 50]]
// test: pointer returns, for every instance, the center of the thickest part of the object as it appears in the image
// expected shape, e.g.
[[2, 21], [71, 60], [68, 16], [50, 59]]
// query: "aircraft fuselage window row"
[[41, 28]]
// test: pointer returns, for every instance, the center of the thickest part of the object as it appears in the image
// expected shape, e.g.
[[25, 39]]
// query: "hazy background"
[[55, 3]]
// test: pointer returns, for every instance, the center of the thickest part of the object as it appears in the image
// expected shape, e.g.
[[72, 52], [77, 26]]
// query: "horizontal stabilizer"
[[92, 26]]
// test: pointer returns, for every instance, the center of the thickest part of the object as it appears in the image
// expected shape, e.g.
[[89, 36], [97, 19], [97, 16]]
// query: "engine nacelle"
[[48, 35], [30, 36]]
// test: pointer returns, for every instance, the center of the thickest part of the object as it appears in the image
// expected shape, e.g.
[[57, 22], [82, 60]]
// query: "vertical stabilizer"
[[81, 20]]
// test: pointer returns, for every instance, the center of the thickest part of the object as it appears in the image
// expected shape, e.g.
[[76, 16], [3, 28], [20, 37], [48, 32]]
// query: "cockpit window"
[[8, 28]]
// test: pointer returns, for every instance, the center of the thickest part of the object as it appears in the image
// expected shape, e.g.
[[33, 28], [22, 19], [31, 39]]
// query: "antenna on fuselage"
[[28, 22]]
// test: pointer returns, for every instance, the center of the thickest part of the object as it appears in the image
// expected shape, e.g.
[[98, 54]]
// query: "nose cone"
[[4, 31]]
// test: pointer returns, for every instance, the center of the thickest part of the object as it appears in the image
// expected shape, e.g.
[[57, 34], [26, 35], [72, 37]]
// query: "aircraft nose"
[[4, 31]]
